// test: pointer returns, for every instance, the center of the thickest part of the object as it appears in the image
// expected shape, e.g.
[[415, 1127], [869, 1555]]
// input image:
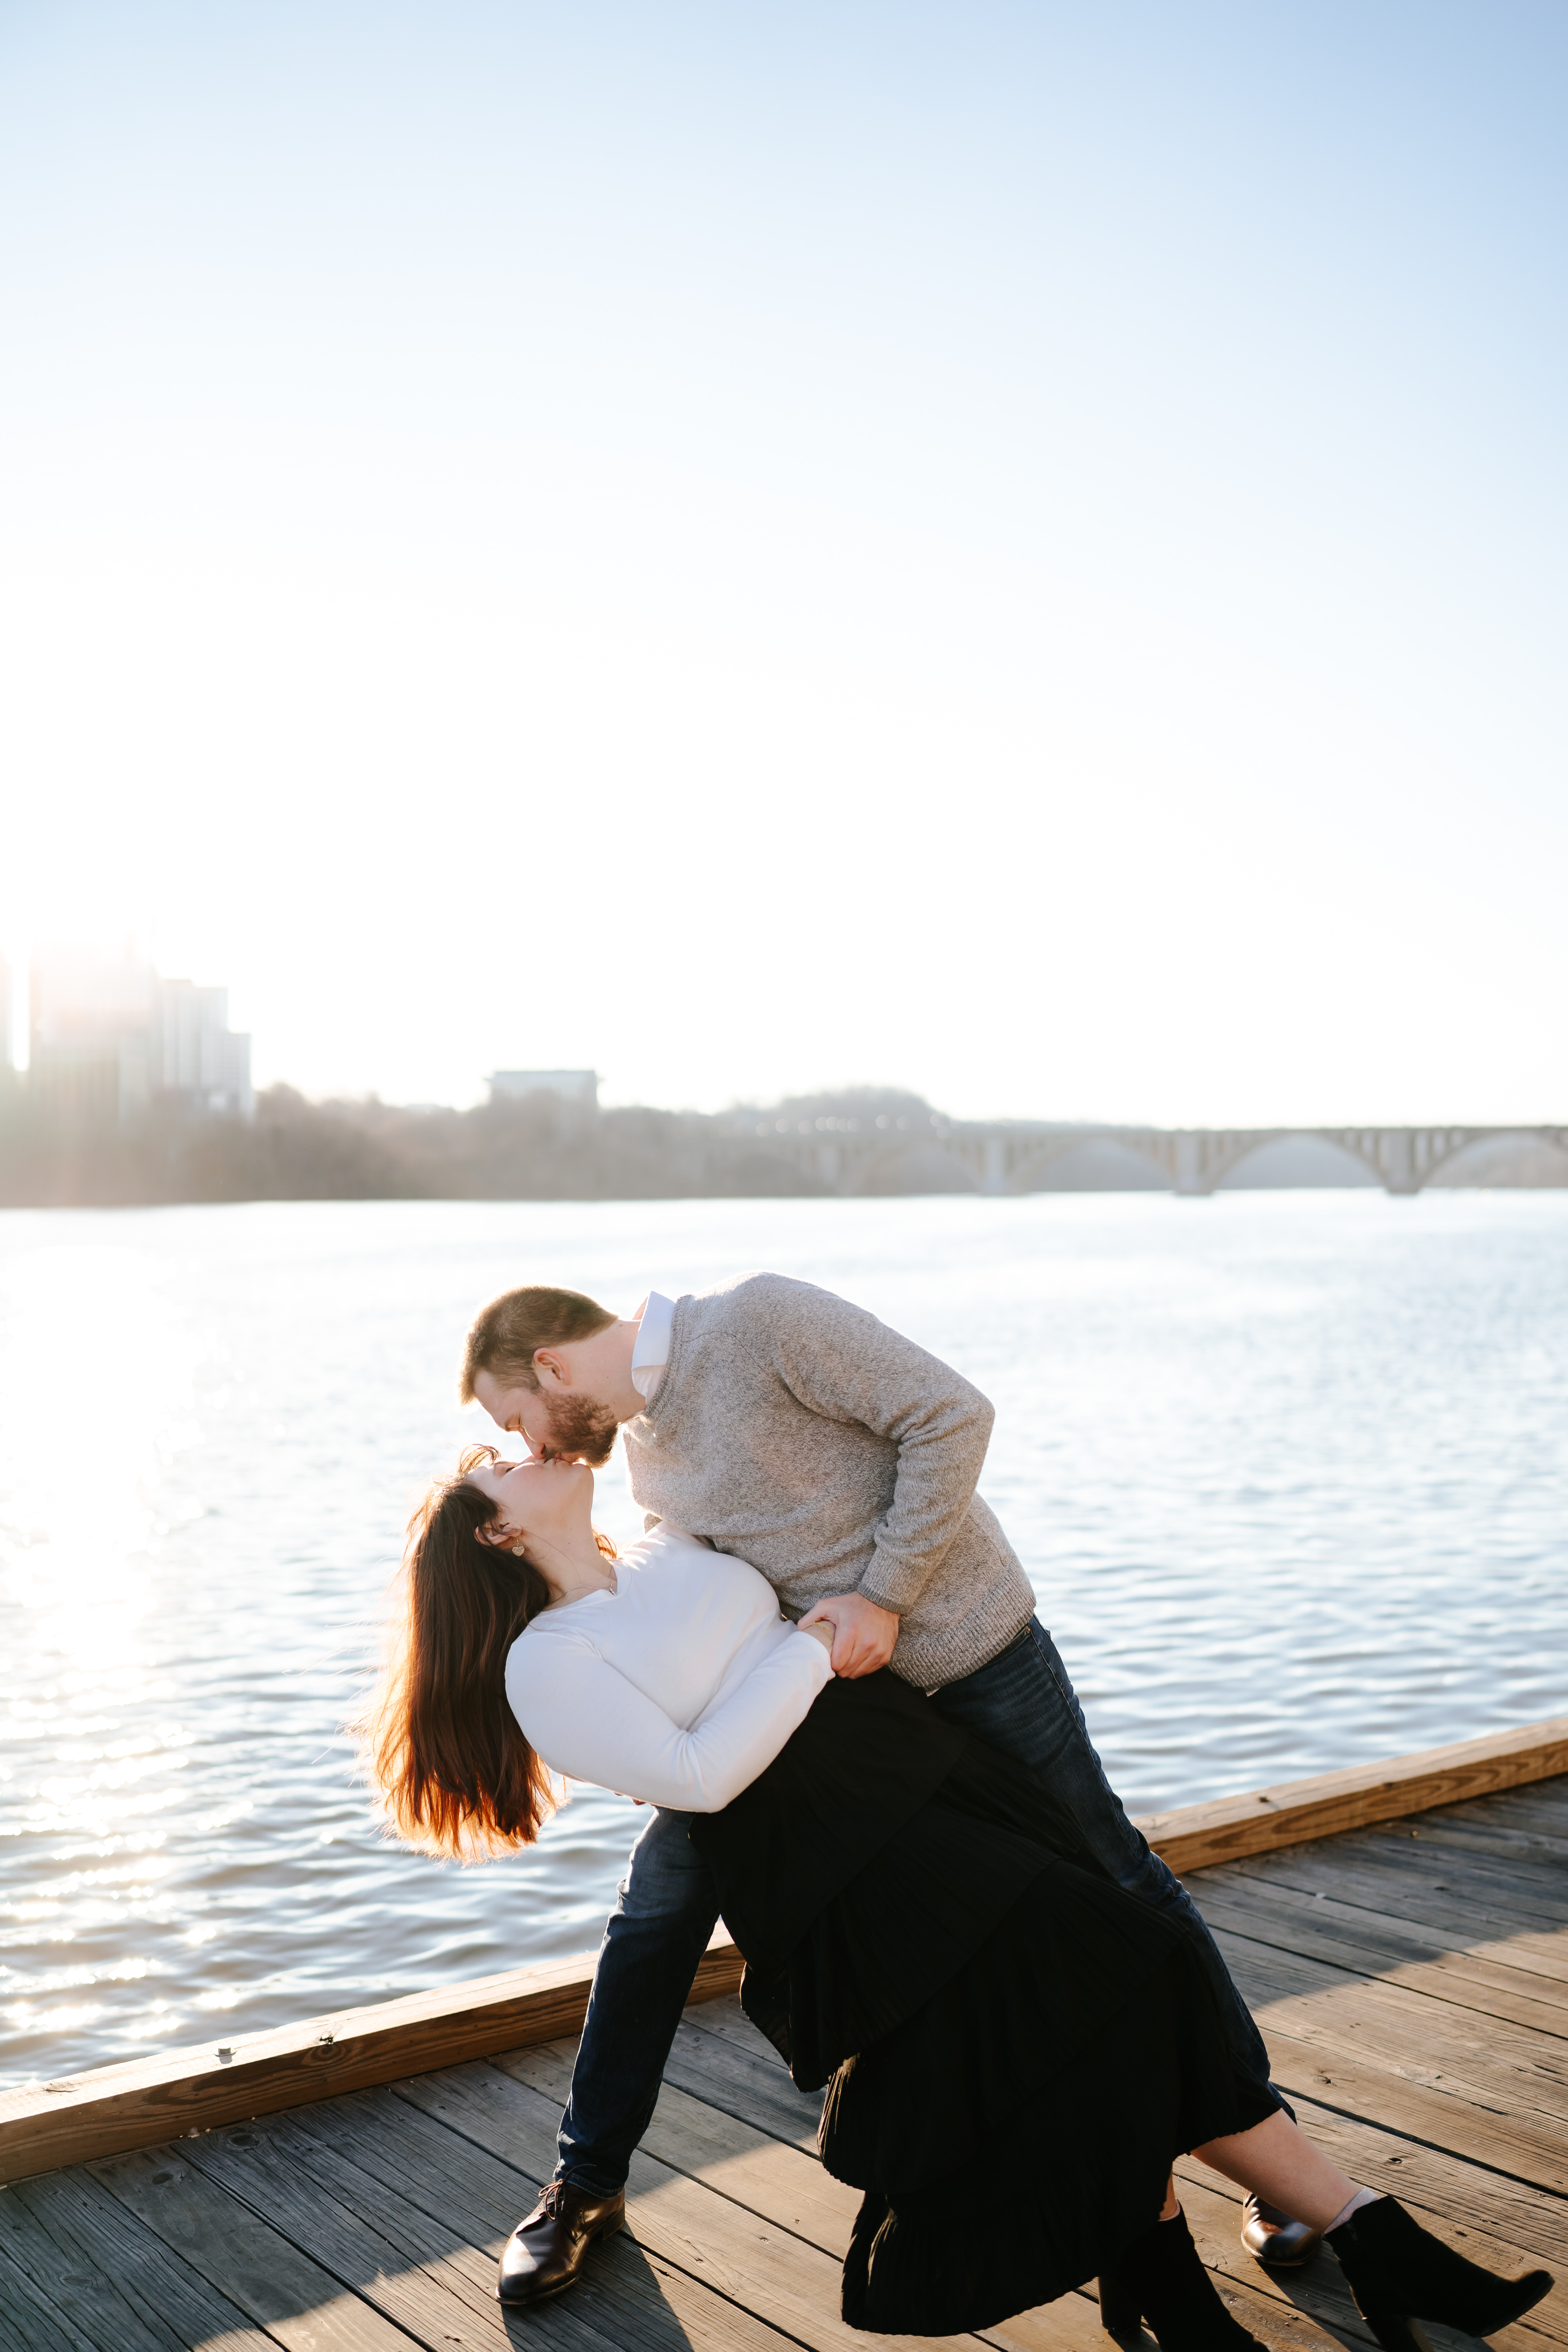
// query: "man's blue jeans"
[[1022, 1702]]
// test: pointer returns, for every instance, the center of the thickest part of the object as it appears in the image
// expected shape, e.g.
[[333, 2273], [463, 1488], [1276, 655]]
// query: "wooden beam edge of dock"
[[1226, 1829], [193, 2088]]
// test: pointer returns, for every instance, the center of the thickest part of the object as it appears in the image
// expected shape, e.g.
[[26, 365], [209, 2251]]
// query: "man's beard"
[[582, 1430]]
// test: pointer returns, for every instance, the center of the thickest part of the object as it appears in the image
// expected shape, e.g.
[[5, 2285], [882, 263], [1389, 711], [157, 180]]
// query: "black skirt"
[[1014, 2050]]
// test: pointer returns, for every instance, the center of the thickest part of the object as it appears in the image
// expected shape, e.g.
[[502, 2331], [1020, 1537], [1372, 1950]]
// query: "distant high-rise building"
[[574, 1086], [109, 1036], [196, 1054]]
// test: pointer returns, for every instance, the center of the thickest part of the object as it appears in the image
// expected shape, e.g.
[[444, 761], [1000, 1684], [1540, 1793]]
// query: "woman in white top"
[[672, 1676], [1004, 2034]]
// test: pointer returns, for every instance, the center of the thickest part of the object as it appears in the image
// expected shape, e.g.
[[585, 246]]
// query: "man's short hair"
[[505, 1336]]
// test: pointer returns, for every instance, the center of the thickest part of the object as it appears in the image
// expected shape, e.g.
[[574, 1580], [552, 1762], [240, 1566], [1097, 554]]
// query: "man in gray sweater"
[[785, 1426]]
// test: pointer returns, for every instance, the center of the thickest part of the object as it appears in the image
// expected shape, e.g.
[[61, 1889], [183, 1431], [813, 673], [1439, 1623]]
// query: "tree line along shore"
[[537, 1147]]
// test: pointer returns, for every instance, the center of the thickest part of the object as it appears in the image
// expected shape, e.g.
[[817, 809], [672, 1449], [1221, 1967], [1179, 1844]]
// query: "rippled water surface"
[[1289, 1470]]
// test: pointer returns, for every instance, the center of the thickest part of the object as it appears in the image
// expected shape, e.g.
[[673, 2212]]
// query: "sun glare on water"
[[96, 1371]]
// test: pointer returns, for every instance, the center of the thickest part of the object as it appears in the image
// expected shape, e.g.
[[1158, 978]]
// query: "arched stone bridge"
[[847, 1157]]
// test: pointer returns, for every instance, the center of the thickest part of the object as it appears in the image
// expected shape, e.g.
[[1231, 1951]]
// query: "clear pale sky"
[[1018, 550]]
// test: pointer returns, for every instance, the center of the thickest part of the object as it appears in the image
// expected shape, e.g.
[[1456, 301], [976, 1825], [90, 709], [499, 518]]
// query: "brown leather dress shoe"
[[1272, 2238], [549, 2246]]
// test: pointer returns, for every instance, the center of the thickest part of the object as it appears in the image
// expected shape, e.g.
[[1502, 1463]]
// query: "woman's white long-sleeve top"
[[679, 1686]]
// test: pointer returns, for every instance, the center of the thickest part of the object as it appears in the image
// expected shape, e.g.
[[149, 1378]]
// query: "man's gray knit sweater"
[[799, 1433]]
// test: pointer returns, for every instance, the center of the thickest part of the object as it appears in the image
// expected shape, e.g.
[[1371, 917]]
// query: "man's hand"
[[863, 1634]]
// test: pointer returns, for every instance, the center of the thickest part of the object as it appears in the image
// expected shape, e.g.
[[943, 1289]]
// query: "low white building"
[[572, 1085]]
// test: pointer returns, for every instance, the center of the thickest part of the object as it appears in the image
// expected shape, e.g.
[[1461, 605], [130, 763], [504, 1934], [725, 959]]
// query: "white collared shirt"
[[650, 1350]]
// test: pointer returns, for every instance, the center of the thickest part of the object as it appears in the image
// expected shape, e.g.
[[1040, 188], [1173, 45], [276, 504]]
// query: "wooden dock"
[[1410, 1976]]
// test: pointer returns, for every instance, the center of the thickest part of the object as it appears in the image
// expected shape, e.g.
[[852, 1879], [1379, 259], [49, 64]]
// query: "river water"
[[1289, 1471]]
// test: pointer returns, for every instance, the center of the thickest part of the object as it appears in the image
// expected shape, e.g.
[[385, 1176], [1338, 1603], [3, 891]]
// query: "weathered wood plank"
[[1527, 1893], [1193, 1835], [1340, 2035], [1422, 1850], [793, 2285], [1070, 2326], [1504, 2069], [1497, 1961], [1341, 1877], [1343, 2074], [1525, 1843], [164, 2292], [253, 2265], [1286, 1930], [1543, 1806], [404, 2158], [429, 2277], [1535, 1835], [76, 2287], [750, 2166], [725, 2017], [31, 2321], [750, 2086]]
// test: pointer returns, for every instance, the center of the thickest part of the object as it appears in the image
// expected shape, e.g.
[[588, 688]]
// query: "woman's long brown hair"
[[440, 1741]]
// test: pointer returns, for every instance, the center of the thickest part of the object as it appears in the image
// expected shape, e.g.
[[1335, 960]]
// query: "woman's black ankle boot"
[[1399, 2273], [1161, 2279], [1120, 2313]]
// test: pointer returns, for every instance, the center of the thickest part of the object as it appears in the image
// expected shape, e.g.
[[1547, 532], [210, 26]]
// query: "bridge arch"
[[1497, 1156], [1300, 1156], [1092, 1163]]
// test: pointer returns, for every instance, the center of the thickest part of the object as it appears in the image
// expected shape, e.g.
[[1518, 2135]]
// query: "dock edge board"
[[193, 2087], [1226, 1829]]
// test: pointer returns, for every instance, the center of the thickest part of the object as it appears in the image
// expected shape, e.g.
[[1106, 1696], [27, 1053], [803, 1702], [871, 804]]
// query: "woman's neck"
[[572, 1564]]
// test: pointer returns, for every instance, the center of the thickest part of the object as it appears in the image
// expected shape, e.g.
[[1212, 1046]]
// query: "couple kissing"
[[822, 1667]]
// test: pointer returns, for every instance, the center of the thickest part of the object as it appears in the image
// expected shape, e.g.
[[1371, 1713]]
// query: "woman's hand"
[[821, 1631]]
